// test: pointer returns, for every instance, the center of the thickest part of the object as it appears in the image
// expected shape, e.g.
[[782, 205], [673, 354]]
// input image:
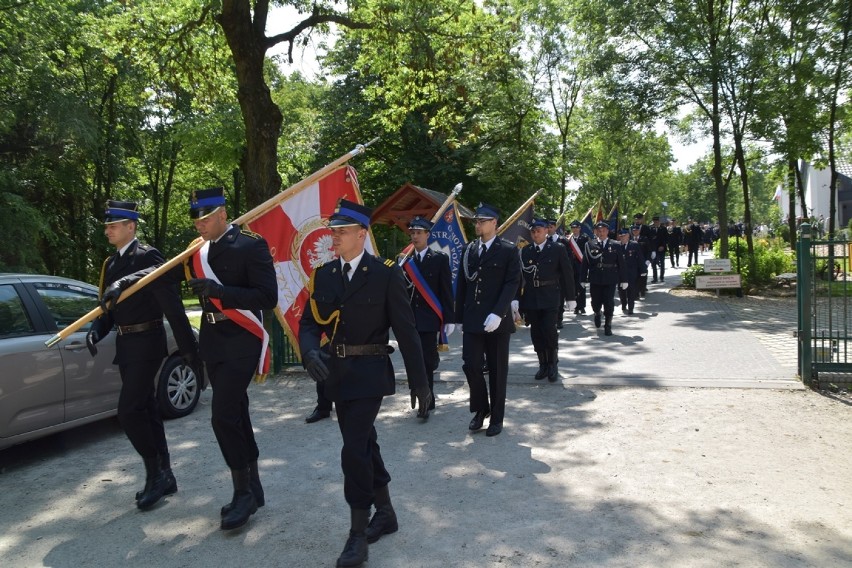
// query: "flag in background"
[[587, 224], [599, 216], [448, 237], [612, 220], [300, 241], [520, 228]]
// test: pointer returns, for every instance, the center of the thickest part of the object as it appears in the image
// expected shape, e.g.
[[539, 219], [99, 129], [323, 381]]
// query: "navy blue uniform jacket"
[[498, 276], [374, 300], [149, 304], [551, 269]]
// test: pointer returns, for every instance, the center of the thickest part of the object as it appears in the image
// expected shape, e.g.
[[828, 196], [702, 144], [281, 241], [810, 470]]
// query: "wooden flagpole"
[[508, 222], [452, 197], [198, 243]]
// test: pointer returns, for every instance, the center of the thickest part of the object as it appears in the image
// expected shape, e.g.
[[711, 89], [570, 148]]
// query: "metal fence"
[[824, 298], [283, 353]]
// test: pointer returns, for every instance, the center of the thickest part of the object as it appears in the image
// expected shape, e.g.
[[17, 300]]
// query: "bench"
[[786, 279]]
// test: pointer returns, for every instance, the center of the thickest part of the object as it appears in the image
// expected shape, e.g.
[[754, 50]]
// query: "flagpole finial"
[[457, 189]]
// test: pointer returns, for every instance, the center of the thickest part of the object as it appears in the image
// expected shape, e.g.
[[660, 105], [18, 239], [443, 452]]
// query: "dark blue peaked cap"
[[204, 202], [420, 223], [486, 211], [120, 211], [349, 213], [536, 222]]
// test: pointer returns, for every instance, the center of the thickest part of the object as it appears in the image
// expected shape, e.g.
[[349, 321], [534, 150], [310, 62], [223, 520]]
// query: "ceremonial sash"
[[243, 318], [578, 254], [420, 284]]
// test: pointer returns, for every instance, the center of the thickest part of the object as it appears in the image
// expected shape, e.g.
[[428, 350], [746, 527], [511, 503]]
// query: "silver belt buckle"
[[210, 317], [340, 350]]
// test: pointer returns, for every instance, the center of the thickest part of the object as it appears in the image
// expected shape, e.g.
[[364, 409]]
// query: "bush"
[[770, 259], [688, 275]]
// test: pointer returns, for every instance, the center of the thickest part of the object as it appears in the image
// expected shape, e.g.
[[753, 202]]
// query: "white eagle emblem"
[[322, 252]]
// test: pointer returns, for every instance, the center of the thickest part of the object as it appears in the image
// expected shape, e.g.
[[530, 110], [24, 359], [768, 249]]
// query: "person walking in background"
[[431, 297], [603, 269], [544, 264], [491, 275], [634, 267]]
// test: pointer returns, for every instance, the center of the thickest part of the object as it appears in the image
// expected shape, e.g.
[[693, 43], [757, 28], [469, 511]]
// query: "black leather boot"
[[171, 482], [542, 366], [608, 326], [244, 505], [155, 484], [553, 367], [597, 319], [356, 550], [384, 519], [256, 488]]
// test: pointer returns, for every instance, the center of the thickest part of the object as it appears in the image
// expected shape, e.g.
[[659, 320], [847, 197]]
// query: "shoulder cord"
[[465, 256], [335, 315]]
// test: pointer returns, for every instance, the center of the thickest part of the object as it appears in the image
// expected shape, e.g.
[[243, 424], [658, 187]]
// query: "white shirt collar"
[[216, 240], [353, 264], [488, 242], [123, 249]]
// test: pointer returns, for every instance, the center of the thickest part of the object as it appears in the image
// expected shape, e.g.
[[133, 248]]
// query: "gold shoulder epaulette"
[[251, 234], [389, 263]]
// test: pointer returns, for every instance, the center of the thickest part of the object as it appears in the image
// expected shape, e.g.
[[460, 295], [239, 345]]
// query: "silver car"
[[44, 390]]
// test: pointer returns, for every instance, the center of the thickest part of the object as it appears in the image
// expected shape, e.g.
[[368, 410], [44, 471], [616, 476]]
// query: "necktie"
[[417, 259], [345, 274], [482, 250]]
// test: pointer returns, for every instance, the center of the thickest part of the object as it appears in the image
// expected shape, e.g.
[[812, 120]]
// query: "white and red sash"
[[244, 318]]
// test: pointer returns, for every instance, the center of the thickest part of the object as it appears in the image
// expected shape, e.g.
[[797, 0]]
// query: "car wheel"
[[178, 388]]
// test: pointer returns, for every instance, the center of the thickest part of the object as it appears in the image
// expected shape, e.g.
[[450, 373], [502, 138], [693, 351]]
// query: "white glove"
[[623, 285], [492, 322], [449, 328], [459, 326], [653, 255], [515, 306], [647, 263], [516, 312], [572, 305]]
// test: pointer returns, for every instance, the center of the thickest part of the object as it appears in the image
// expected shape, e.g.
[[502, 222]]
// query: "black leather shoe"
[[355, 552], [552, 372], [607, 330], [597, 319], [383, 522], [317, 415], [542, 372], [494, 429], [560, 325], [477, 420]]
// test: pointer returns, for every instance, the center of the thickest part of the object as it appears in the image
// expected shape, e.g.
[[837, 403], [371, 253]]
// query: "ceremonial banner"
[[587, 224], [448, 237], [520, 227], [612, 220], [300, 241]]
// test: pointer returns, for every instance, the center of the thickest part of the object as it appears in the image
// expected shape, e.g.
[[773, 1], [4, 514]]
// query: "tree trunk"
[[261, 116], [741, 163]]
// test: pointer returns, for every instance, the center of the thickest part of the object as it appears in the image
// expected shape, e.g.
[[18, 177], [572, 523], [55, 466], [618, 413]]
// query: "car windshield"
[[67, 303], [13, 317]]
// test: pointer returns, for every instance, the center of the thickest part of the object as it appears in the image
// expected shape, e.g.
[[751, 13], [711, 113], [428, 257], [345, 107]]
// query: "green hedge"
[[771, 259]]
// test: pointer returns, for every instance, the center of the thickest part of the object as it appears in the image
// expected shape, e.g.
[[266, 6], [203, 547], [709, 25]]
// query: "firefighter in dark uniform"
[[634, 268], [434, 269], [693, 235], [491, 275], [545, 265], [603, 269], [576, 255], [141, 345], [675, 241], [353, 301], [644, 239], [234, 277], [659, 244]]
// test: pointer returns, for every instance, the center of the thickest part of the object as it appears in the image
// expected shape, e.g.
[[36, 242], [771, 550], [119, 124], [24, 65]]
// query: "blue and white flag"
[[448, 237]]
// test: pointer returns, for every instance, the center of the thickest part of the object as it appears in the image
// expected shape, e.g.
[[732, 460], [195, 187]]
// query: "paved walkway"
[[673, 339], [584, 473]]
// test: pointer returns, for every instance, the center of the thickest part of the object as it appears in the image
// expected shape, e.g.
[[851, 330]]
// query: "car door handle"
[[76, 346]]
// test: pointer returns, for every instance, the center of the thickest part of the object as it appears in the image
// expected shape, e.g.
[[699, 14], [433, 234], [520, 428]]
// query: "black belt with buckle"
[[213, 317], [540, 283], [605, 266], [140, 327], [341, 350]]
